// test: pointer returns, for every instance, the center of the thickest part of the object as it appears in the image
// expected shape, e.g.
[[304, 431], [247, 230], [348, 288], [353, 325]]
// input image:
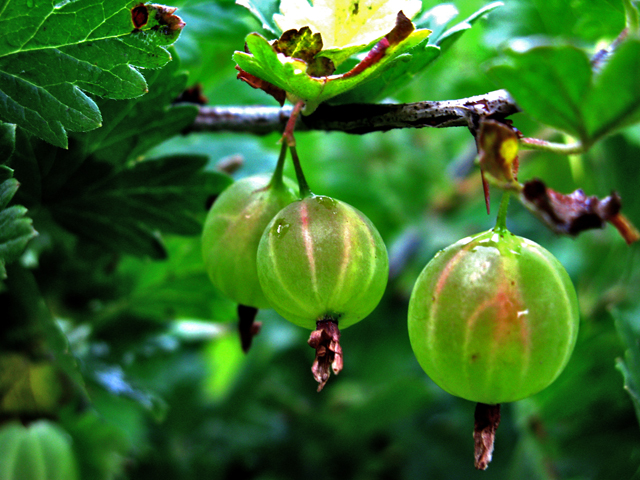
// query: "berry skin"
[[40, 451], [232, 231], [321, 259], [493, 318]]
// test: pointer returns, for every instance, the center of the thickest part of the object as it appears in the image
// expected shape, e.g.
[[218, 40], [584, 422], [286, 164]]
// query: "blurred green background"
[[171, 394]]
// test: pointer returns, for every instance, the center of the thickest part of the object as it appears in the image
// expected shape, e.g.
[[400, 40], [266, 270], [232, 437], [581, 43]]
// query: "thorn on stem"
[[326, 341]]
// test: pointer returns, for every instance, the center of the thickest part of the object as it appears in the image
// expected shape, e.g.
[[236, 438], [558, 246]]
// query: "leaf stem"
[[501, 222], [561, 148], [302, 181]]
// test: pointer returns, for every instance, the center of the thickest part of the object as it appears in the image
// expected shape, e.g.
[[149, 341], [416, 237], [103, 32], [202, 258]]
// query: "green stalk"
[[276, 181], [501, 222], [302, 182]]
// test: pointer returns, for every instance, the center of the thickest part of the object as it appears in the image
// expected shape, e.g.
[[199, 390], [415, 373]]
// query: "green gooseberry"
[[320, 259], [493, 318], [232, 232]]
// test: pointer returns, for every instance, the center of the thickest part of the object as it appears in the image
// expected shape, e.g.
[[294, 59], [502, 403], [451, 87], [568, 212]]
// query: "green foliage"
[[113, 332], [291, 75], [15, 228], [629, 365], [52, 54], [561, 89]]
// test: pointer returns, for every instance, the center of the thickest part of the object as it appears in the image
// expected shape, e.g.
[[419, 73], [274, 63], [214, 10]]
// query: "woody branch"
[[357, 118]]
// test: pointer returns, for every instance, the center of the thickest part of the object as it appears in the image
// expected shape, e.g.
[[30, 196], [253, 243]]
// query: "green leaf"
[[15, 227], [51, 56], [127, 210], [556, 86], [132, 127], [396, 74], [609, 108], [264, 10], [436, 19], [550, 84], [177, 288], [452, 35], [290, 74], [7, 142], [628, 326]]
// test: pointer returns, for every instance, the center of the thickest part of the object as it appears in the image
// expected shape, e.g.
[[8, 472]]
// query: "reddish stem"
[[287, 135]]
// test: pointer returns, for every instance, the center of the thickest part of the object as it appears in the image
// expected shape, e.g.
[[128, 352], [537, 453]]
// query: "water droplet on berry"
[[281, 227], [327, 202]]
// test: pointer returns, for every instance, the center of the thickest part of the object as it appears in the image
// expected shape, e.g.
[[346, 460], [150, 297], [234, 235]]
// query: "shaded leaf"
[[628, 329], [51, 56], [609, 108], [28, 387], [7, 142], [16, 228], [101, 447], [550, 84], [557, 87], [127, 210], [177, 288]]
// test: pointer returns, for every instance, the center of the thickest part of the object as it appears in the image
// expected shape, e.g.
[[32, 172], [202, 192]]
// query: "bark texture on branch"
[[357, 118]]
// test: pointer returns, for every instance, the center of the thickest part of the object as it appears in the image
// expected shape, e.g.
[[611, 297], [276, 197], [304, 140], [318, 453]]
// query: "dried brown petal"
[[402, 29], [326, 341], [276, 92], [301, 44], [487, 419], [573, 213], [165, 16], [498, 150]]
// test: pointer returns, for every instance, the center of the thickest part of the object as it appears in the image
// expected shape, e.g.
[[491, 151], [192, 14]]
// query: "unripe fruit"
[[321, 259], [40, 451], [232, 232], [493, 318]]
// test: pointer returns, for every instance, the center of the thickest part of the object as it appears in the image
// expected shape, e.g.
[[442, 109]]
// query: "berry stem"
[[501, 222], [276, 179], [287, 135], [302, 181], [247, 325]]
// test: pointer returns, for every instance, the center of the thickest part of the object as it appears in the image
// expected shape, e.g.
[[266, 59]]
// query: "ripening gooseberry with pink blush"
[[493, 318]]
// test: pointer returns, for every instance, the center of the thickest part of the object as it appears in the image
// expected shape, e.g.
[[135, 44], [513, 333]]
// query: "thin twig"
[[357, 118]]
